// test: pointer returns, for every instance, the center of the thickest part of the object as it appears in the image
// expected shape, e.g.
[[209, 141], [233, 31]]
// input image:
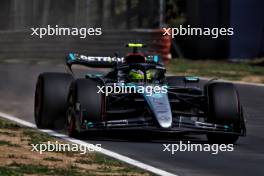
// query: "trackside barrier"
[[162, 44], [21, 45]]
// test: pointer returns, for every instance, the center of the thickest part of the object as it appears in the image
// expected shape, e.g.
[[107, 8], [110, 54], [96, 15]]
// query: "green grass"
[[4, 124], [104, 164], [213, 68], [84, 161], [102, 159], [7, 133], [36, 137], [16, 169], [11, 156], [52, 159], [107, 161], [7, 143], [104, 169]]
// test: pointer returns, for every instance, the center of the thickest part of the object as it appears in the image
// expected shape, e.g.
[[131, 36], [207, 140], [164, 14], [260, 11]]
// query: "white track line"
[[103, 151]]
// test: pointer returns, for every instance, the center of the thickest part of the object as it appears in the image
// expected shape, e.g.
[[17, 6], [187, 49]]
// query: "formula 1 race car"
[[137, 95]]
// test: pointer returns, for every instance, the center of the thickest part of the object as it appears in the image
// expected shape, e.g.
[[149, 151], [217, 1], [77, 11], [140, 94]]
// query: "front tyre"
[[224, 108], [85, 105], [71, 116]]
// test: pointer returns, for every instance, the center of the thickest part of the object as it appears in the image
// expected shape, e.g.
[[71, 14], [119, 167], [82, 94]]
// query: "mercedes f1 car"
[[183, 106]]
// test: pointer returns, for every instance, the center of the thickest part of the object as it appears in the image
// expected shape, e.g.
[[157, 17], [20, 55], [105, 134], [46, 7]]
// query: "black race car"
[[136, 94]]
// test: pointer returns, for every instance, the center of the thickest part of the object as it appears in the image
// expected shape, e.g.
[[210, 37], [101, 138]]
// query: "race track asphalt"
[[17, 84]]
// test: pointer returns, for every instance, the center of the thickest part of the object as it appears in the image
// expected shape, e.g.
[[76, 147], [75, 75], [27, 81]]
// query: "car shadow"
[[141, 136]]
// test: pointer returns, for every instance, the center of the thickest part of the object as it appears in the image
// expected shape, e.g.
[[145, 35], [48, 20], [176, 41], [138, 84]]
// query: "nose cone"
[[160, 106]]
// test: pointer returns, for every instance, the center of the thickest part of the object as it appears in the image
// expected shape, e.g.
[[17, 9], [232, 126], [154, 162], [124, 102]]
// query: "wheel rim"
[[70, 117], [71, 127], [38, 102]]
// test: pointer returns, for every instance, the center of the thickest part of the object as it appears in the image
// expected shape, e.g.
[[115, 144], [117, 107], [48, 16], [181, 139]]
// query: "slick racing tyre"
[[223, 108], [85, 105], [51, 100]]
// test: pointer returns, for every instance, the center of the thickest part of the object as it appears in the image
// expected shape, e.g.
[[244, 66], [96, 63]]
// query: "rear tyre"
[[51, 100], [223, 108], [85, 105]]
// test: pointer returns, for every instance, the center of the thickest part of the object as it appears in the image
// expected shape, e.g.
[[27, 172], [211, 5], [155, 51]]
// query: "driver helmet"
[[138, 75]]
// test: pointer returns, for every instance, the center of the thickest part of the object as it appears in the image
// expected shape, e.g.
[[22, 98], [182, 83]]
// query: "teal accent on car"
[[98, 74], [89, 75], [71, 56], [89, 125], [160, 106], [157, 95], [156, 58], [191, 78]]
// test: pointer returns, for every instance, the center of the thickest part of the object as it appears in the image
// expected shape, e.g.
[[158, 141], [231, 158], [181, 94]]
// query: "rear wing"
[[92, 61]]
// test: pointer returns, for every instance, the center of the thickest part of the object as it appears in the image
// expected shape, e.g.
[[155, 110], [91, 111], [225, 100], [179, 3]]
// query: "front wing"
[[180, 124]]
